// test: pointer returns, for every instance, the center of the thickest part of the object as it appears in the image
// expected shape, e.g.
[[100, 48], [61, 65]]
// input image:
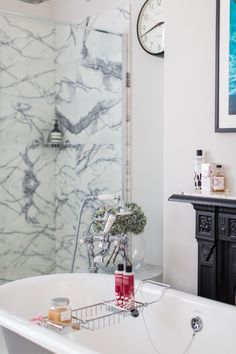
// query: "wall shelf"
[[57, 145], [62, 145]]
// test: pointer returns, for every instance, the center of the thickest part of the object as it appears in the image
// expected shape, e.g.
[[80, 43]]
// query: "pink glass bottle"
[[128, 288], [119, 297]]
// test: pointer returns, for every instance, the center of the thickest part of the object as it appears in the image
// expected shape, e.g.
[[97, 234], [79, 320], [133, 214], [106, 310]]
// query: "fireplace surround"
[[215, 232]]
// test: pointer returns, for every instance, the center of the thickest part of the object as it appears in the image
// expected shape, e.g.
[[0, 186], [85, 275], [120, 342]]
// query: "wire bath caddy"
[[92, 317], [101, 314]]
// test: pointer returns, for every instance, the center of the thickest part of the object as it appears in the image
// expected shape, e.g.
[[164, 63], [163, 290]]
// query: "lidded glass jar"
[[60, 310]]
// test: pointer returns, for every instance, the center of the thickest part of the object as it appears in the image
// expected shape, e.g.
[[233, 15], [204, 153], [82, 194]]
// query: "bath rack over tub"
[[102, 314]]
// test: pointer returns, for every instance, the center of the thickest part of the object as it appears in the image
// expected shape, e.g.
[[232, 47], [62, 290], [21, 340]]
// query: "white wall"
[[147, 110], [188, 125]]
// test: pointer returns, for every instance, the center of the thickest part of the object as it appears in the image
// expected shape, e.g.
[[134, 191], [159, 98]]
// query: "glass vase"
[[137, 250]]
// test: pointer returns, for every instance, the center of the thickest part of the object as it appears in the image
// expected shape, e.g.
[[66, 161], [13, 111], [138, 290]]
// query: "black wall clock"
[[151, 27]]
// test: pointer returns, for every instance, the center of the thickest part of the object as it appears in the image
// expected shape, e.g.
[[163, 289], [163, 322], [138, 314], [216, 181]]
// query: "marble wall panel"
[[75, 74], [27, 101], [27, 78], [27, 196], [97, 169], [89, 90], [26, 252]]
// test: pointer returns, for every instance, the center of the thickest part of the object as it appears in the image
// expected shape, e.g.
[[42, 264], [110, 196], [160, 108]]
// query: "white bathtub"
[[165, 323]]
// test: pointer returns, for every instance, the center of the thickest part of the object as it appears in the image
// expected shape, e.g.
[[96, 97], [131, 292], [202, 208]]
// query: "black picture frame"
[[225, 122]]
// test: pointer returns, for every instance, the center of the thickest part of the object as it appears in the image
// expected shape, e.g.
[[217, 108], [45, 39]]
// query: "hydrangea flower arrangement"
[[133, 223]]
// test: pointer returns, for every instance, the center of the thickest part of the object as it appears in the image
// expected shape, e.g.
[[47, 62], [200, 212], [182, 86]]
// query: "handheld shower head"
[[102, 197], [123, 212], [107, 197]]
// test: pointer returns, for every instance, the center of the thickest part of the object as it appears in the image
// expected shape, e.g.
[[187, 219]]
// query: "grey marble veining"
[[74, 74], [26, 252]]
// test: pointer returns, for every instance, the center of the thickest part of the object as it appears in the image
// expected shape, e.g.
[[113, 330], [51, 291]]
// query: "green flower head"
[[134, 222]]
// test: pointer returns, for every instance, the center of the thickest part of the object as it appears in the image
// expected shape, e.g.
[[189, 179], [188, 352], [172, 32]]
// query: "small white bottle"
[[199, 159]]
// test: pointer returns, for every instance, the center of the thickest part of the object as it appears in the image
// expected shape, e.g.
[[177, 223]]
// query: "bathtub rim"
[[169, 292]]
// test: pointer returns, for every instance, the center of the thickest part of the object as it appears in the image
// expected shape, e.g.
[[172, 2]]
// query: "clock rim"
[[137, 32]]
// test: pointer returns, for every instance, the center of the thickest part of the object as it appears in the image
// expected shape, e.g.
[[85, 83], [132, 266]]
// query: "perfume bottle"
[[199, 159], [218, 180]]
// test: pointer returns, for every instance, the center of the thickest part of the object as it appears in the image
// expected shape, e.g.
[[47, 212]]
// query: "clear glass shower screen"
[[52, 71]]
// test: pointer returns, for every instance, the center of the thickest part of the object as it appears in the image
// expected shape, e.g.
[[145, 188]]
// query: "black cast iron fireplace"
[[216, 237]]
